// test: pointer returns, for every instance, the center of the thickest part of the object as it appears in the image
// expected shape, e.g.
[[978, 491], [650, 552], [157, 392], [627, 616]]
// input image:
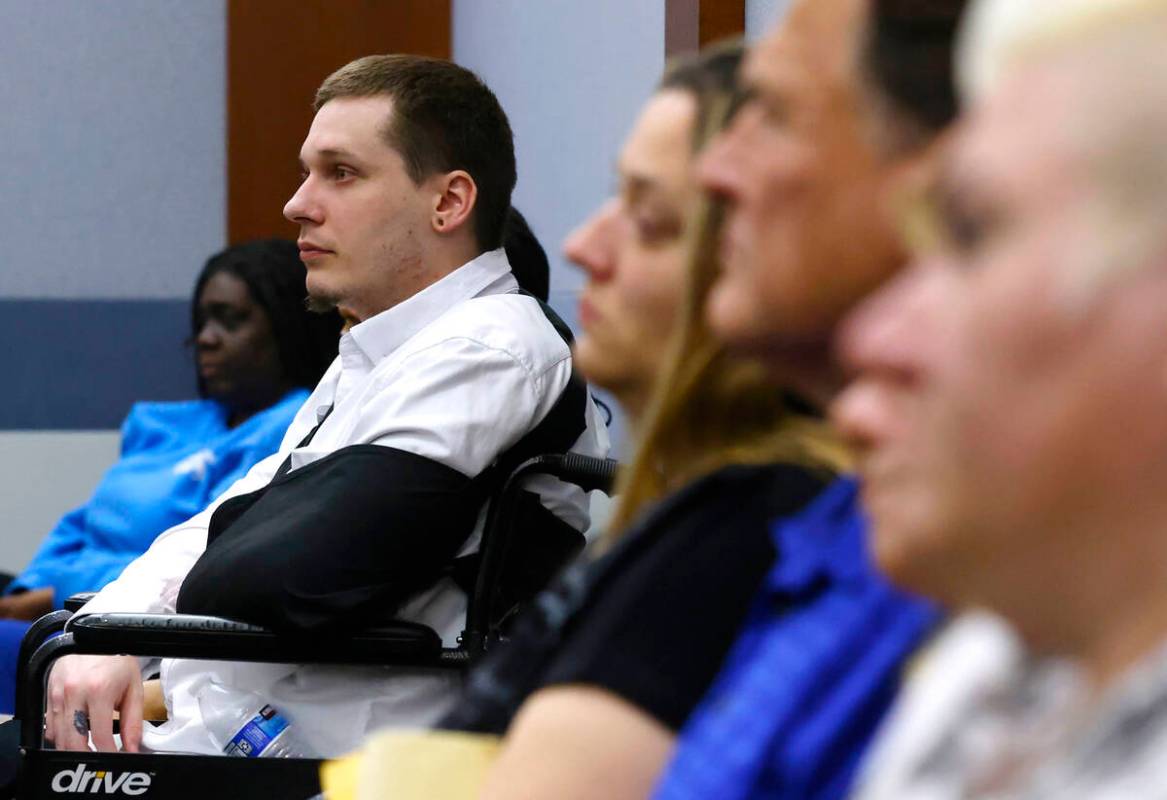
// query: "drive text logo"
[[82, 781]]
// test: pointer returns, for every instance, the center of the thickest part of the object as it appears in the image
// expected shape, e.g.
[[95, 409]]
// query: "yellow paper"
[[408, 765], [339, 778]]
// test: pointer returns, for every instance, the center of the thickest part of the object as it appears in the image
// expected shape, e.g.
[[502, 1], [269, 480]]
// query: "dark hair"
[[909, 59], [274, 275], [444, 118], [528, 258], [711, 77]]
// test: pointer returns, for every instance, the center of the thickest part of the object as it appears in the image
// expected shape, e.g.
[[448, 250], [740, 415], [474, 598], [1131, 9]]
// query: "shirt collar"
[[826, 542], [381, 334]]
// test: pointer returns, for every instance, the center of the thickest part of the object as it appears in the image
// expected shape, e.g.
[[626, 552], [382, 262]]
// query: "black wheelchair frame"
[[51, 773]]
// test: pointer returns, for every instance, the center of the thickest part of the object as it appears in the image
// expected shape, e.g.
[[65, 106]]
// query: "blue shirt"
[[812, 673], [175, 459]]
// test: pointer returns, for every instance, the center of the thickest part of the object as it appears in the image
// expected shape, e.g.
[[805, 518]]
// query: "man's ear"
[[457, 195]]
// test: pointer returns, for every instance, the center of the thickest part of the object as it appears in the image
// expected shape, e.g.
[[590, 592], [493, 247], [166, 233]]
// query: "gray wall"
[[113, 196], [56, 471], [761, 15], [572, 77], [114, 146]]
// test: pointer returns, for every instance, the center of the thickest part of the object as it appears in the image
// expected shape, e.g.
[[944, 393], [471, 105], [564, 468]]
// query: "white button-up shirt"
[[458, 373]]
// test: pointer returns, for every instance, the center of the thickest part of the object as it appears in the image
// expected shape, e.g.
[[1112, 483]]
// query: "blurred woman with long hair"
[[599, 677]]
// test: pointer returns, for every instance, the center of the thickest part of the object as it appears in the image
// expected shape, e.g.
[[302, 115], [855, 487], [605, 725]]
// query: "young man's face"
[[1010, 412], [361, 216], [805, 235]]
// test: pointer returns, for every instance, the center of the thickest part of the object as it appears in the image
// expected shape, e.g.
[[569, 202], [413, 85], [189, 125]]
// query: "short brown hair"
[[444, 118], [909, 60]]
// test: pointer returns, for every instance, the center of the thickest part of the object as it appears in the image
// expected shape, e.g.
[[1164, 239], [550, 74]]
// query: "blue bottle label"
[[254, 737]]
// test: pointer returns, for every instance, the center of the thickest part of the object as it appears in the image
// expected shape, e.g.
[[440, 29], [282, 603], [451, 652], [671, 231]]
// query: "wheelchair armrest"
[[74, 602], [587, 472], [37, 634], [214, 638]]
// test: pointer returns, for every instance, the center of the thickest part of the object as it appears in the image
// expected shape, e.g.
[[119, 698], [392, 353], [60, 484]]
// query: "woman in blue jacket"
[[258, 352]]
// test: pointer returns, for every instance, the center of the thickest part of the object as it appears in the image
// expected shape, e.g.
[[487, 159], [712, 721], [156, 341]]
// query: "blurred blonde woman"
[[597, 680]]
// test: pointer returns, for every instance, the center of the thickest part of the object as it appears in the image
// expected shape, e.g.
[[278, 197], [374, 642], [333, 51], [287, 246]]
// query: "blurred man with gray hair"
[[1012, 409]]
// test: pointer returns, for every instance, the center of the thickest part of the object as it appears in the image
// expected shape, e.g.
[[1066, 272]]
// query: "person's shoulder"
[[509, 323], [740, 500], [778, 487], [167, 409], [793, 486], [287, 406], [154, 423], [269, 425], [165, 414]]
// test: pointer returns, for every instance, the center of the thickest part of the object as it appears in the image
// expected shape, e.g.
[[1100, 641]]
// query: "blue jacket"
[[175, 459], [813, 672]]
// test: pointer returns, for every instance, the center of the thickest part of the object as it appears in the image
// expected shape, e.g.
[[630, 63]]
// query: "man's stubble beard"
[[321, 303]]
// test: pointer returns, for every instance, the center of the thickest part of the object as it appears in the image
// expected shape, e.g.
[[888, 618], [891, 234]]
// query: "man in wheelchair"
[[449, 377]]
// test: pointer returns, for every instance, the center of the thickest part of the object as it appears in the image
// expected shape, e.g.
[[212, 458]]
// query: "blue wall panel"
[[80, 364]]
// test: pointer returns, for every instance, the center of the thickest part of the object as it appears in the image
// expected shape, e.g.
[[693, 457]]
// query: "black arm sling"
[[340, 544]]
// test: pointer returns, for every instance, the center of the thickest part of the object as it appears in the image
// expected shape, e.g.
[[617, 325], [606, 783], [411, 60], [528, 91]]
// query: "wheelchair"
[[498, 581]]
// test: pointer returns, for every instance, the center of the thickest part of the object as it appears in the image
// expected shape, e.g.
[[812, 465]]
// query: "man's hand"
[[31, 605], [84, 691]]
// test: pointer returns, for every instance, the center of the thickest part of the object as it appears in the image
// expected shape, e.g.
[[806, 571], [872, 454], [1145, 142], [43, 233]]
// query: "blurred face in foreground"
[[805, 234], [633, 252], [1011, 403]]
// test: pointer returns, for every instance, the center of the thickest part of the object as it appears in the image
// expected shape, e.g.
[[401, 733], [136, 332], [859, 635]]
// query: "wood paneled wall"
[[278, 52], [692, 24]]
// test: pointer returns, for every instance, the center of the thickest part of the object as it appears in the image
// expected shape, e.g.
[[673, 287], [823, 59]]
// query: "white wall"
[[572, 76], [55, 472], [114, 146], [762, 14]]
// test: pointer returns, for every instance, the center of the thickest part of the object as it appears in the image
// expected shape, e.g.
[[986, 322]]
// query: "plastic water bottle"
[[242, 724]]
